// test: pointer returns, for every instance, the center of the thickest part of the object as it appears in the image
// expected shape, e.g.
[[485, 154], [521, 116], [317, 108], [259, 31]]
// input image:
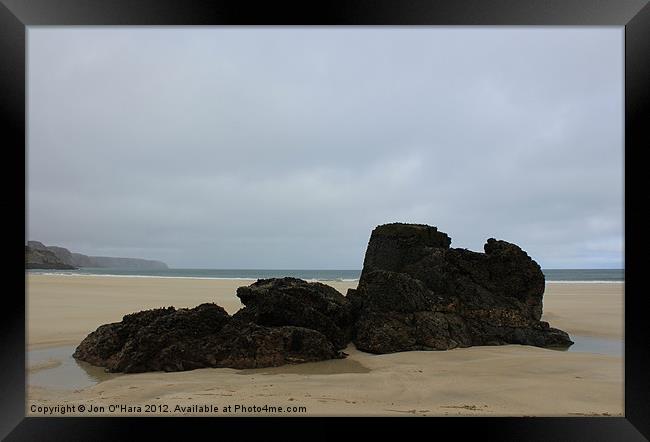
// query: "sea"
[[551, 275]]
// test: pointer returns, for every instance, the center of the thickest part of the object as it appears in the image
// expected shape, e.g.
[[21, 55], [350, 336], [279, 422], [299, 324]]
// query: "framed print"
[[247, 218]]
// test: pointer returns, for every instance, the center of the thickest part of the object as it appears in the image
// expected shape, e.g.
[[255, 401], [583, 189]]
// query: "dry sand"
[[508, 380]]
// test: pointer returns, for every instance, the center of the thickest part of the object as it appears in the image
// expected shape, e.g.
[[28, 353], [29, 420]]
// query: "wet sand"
[[508, 380]]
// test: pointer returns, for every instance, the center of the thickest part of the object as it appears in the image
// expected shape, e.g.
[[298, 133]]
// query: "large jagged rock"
[[168, 339], [417, 293], [291, 301]]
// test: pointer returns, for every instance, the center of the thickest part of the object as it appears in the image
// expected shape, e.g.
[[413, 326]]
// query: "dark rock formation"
[[74, 260], [291, 301], [168, 339], [417, 293]]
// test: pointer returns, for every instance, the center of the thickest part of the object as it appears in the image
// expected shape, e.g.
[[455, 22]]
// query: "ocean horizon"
[[551, 275]]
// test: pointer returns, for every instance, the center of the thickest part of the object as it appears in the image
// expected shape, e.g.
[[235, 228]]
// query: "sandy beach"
[[509, 380]]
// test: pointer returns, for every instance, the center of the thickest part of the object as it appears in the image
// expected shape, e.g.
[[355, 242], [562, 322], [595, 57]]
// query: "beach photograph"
[[325, 221]]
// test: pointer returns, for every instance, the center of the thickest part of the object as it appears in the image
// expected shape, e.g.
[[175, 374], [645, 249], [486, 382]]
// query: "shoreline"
[[44, 272], [29, 275]]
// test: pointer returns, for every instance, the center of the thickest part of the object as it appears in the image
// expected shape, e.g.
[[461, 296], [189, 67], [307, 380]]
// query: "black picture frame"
[[634, 15]]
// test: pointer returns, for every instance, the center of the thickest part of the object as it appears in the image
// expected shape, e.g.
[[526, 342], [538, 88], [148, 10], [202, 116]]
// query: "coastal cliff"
[[40, 256]]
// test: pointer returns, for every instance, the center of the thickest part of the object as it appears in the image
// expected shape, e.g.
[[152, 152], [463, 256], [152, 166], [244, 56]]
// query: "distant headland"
[[40, 256]]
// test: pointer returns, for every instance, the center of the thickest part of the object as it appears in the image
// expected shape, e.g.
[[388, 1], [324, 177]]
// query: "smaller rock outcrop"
[[170, 339]]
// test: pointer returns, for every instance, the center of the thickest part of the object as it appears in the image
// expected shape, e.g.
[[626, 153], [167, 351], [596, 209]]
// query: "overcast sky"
[[285, 147]]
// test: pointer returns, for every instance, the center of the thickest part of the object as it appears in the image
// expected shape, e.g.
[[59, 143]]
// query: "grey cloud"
[[283, 148]]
